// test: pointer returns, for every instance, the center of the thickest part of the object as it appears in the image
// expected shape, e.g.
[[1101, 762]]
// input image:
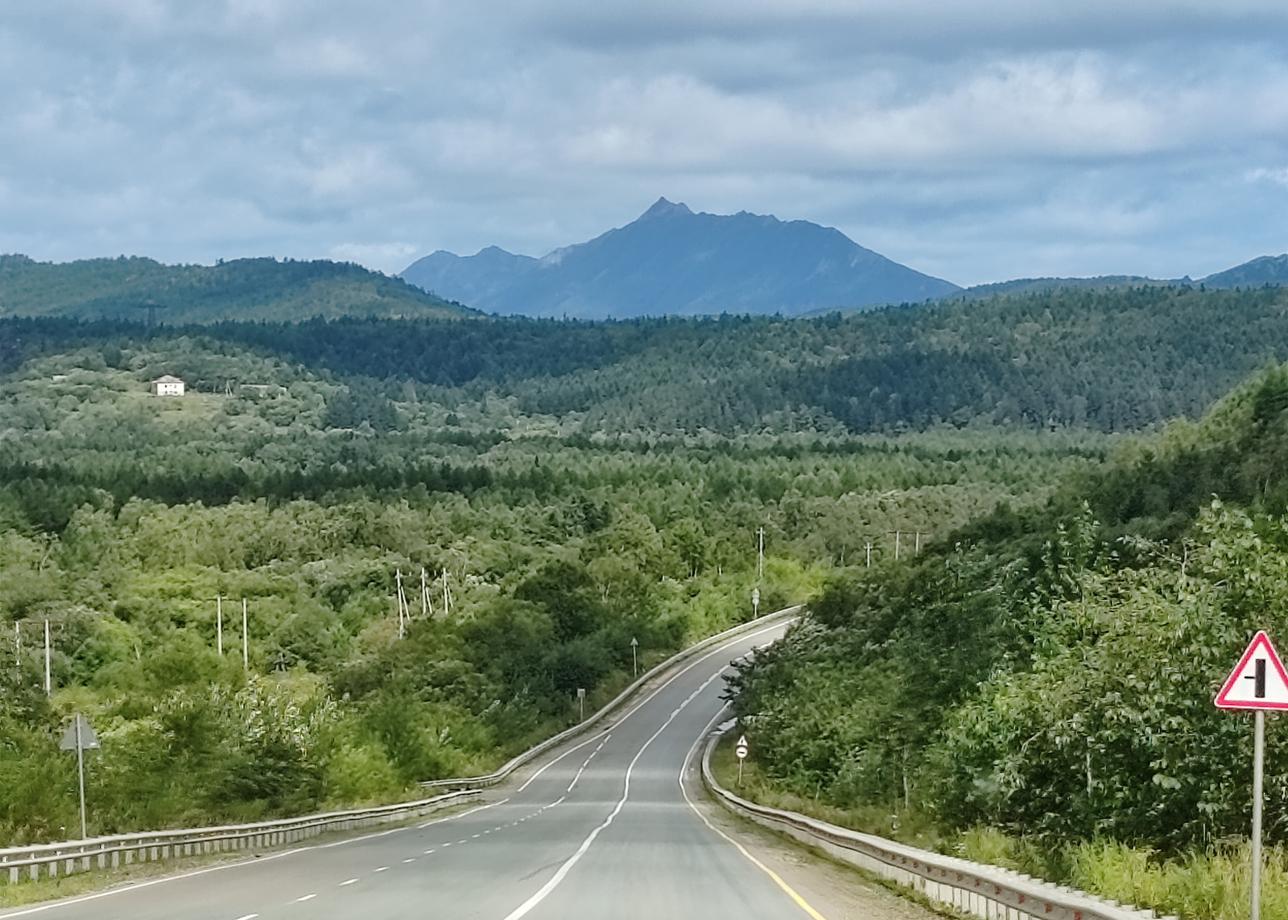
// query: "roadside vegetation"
[[1036, 689]]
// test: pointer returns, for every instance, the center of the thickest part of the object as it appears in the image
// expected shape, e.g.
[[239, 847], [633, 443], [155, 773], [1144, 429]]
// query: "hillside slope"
[[242, 289], [1050, 674], [671, 261], [1112, 360]]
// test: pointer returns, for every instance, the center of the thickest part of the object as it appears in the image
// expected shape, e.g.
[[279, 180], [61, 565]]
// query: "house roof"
[[167, 379]]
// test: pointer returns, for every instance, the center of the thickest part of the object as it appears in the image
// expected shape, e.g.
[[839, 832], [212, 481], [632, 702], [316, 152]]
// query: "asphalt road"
[[602, 829]]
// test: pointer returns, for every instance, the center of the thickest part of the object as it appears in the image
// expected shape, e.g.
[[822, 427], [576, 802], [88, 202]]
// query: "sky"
[[973, 141]]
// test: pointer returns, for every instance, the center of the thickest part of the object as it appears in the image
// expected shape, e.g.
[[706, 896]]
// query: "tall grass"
[[1211, 884]]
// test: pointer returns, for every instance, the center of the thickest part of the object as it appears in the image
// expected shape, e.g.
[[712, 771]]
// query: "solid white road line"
[[523, 909], [468, 811]]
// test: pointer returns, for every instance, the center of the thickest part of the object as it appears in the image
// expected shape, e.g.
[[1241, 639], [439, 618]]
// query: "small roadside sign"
[[741, 749], [85, 739], [1258, 681], [80, 738], [755, 600]]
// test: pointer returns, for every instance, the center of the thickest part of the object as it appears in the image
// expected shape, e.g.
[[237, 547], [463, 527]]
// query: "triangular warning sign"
[[1258, 681]]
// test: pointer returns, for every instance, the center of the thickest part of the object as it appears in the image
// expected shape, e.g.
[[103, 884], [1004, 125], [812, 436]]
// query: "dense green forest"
[[123, 516], [241, 289], [1107, 360], [1049, 673]]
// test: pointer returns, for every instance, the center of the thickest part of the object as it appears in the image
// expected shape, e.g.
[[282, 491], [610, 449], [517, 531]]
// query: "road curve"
[[600, 829]]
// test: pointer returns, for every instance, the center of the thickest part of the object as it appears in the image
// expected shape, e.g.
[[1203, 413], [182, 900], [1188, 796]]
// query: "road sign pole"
[[740, 774], [1258, 762], [80, 770]]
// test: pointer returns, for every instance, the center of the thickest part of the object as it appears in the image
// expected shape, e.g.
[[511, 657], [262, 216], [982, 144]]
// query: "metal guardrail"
[[54, 859], [989, 892], [500, 775]]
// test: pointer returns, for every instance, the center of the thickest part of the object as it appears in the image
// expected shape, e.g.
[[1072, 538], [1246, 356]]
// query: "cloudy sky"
[[975, 141]]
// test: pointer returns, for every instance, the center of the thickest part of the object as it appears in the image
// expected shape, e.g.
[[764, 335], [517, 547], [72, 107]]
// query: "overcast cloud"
[[973, 141]]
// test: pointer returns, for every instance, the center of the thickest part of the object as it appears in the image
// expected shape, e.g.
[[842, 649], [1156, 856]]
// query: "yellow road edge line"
[[778, 880]]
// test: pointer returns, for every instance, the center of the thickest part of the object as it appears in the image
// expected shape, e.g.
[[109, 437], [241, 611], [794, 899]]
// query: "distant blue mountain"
[[673, 261], [1257, 273]]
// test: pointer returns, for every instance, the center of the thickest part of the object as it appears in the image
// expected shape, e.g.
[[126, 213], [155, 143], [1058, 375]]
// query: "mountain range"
[[671, 260]]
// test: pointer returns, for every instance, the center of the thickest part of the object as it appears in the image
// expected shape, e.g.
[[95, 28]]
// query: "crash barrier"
[[54, 859], [988, 892]]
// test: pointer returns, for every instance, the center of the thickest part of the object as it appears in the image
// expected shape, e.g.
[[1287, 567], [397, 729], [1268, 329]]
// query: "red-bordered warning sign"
[[1258, 681]]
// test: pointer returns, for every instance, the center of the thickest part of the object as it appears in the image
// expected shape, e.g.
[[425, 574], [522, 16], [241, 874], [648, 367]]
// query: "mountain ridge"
[[673, 261], [237, 289]]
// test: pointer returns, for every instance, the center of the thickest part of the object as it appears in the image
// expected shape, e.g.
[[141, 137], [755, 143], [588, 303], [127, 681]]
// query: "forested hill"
[[1109, 360], [1050, 674], [241, 289]]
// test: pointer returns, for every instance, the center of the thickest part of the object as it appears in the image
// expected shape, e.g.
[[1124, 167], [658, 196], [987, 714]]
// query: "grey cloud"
[[971, 141]]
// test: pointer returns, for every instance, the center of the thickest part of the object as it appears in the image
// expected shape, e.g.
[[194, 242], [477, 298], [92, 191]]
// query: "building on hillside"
[[167, 386]]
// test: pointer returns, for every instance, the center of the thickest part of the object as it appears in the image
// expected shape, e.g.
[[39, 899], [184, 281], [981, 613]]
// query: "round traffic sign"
[[741, 751]]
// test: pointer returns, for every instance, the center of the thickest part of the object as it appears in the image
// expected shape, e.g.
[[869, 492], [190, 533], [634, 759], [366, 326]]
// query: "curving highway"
[[603, 828]]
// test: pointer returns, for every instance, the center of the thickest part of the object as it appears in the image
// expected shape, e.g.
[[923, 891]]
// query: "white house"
[[167, 386]]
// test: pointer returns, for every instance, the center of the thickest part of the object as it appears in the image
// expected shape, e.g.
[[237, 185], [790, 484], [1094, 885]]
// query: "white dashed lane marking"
[[348, 881], [381, 869], [307, 897]]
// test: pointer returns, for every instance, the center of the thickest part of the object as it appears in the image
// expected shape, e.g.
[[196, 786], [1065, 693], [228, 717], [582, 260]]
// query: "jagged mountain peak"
[[671, 260]]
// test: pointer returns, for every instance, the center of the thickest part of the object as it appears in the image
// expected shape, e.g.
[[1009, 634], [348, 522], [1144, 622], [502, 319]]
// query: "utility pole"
[[869, 552], [897, 535], [219, 624], [760, 555], [49, 684], [245, 638], [402, 628], [426, 608], [919, 534], [447, 594], [635, 662], [17, 645]]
